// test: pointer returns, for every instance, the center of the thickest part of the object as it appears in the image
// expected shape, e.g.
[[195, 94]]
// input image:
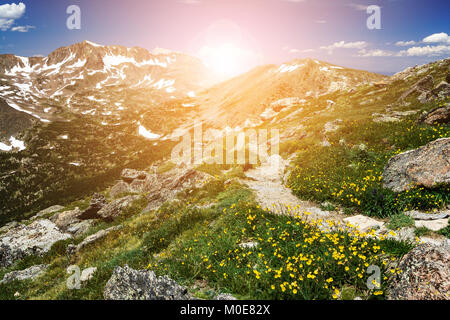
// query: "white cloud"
[[22, 28], [375, 53], [437, 38], [359, 7], [12, 11], [429, 51], [345, 45], [321, 21], [9, 13], [5, 24], [405, 43]]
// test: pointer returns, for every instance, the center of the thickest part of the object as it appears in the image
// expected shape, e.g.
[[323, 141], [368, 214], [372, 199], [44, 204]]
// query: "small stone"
[[364, 223], [225, 296], [88, 274], [434, 225], [27, 274], [249, 245], [129, 284], [416, 215]]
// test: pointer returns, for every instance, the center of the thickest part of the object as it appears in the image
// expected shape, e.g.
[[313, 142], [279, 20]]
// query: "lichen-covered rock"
[[425, 274], [439, 115], [34, 239], [427, 166], [129, 284], [225, 296], [72, 249], [113, 209], [422, 87], [129, 175], [47, 211], [416, 215], [27, 274], [69, 221], [164, 186], [119, 188]]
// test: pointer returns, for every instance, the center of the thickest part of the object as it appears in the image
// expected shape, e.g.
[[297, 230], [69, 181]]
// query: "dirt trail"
[[266, 182]]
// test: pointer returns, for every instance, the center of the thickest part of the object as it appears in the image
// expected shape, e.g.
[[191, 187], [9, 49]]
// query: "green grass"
[[292, 261], [352, 177], [422, 231], [400, 221]]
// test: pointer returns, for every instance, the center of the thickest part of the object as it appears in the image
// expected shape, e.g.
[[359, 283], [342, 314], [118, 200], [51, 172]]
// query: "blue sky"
[[265, 31]]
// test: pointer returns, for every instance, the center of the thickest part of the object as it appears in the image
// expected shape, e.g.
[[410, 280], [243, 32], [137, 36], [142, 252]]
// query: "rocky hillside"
[[363, 181], [248, 99]]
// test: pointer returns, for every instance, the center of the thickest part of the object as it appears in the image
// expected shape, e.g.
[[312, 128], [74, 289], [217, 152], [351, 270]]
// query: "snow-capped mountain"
[[153, 92], [89, 78]]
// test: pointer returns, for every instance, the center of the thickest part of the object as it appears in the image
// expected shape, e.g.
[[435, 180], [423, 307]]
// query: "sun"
[[227, 60]]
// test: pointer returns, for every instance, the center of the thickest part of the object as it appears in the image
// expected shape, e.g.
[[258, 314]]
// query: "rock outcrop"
[[69, 221], [34, 239], [129, 175], [427, 166], [422, 87], [47, 211], [120, 188], [425, 274], [129, 284], [72, 249], [159, 187], [113, 209], [27, 274], [98, 201], [439, 115]]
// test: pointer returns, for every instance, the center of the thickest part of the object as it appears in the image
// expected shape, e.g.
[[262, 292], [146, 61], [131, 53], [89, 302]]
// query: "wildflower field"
[[255, 254]]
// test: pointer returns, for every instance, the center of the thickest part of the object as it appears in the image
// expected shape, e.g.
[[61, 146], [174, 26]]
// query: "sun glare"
[[227, 60]]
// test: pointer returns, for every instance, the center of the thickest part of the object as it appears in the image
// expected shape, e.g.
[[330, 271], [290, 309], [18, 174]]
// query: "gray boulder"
[[427, 166], [165, 186], [113, 209], [439, 115], [34, 239], [69, 221], [27, 274], [425, 274], [422, 87], [129, 284], [120, 188], [416, 215], [72, 249], [47, 211]]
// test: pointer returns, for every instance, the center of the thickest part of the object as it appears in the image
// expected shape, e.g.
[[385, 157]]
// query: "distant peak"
[[91, 43], [158, 50]]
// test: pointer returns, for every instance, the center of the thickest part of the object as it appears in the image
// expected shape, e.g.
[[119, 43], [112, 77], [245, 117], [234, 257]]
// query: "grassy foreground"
[[201, 247]]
